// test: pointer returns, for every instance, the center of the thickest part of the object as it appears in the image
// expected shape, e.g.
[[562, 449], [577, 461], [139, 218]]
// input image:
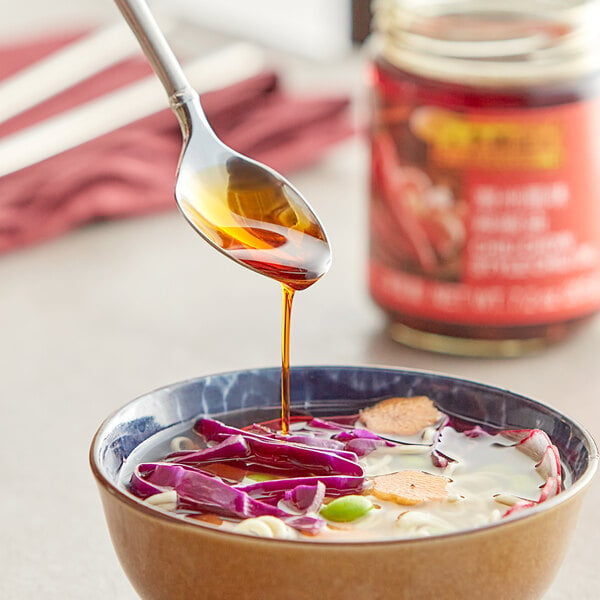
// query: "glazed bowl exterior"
[[168, 558]]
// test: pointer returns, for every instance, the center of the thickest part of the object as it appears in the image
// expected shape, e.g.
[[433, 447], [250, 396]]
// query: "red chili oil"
[[485, 211]]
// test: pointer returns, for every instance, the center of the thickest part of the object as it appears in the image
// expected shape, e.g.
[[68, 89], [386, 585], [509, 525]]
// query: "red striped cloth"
[[131, 171]]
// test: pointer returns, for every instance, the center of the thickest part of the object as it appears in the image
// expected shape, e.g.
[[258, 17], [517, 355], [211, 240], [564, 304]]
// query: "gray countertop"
[[98, 316]]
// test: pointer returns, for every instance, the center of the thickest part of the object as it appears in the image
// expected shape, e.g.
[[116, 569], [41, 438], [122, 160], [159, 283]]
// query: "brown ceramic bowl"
[[168, 558]]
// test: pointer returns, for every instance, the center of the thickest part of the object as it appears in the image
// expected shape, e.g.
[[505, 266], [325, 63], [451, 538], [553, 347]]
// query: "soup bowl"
[[168, 557]]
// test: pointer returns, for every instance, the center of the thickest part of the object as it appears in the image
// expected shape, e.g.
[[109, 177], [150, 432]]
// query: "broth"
[[487, 475]]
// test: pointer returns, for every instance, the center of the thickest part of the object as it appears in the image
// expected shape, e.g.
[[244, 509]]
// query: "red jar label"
[[485, 216]]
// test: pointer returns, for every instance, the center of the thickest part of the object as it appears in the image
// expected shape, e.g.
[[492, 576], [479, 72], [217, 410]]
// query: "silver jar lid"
[[493, 43]]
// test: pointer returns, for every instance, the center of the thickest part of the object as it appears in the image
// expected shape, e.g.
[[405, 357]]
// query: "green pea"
[[346, 508], [258, 477]]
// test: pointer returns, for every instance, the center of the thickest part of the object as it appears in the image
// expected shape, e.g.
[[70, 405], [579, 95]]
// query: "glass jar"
[[485, 178]]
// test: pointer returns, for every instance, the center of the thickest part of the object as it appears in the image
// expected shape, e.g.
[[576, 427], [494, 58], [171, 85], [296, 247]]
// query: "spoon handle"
[[157, 50]]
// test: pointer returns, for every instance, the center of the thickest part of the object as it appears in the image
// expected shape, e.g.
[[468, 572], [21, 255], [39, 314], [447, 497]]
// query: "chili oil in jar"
[[485, 178]]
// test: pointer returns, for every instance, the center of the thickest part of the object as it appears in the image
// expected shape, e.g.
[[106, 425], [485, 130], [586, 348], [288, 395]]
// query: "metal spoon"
[[244, 209]]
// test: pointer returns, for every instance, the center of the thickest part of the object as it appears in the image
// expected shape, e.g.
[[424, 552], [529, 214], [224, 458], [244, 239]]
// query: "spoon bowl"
[[244, 209]]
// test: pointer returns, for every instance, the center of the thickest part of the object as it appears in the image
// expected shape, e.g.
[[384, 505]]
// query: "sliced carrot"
[[228, 472], [403, 416], [409, 487], [208, 518]]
